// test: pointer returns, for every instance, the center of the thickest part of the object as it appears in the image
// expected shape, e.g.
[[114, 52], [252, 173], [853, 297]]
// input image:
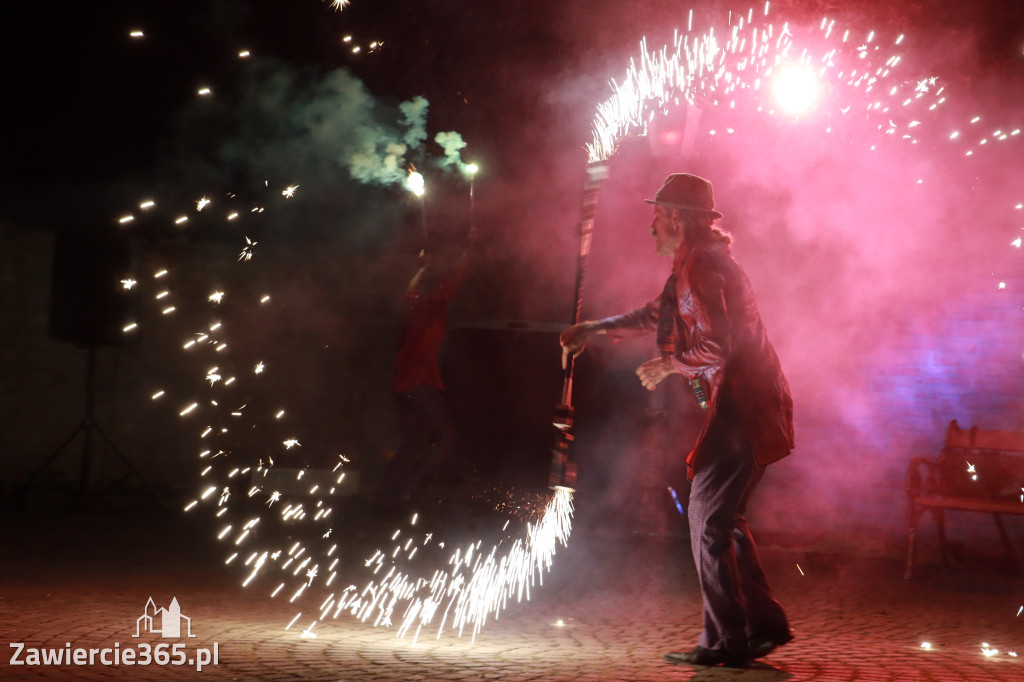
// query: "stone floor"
[[612, 604]]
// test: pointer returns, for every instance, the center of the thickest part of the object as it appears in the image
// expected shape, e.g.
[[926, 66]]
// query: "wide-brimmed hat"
[[687, 192]]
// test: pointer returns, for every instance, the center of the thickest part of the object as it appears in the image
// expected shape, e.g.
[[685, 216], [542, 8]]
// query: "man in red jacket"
[[708, 329], [428, 432]]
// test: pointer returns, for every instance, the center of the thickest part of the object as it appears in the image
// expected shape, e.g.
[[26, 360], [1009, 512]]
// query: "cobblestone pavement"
[[82, 580]]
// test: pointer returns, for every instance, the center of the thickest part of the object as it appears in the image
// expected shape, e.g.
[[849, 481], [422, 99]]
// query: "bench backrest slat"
[[984, 439], [980, 463]]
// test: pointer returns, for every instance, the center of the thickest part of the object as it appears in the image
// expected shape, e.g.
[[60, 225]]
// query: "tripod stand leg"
[[54, 455], [128, 464]]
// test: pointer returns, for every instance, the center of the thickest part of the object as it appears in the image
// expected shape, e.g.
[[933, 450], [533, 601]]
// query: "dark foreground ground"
[[623, 598]]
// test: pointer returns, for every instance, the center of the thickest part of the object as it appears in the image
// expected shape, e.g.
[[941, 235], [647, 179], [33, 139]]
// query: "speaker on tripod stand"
[[90, 308]]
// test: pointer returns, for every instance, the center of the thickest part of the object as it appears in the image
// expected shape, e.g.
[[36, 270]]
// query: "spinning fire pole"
[[563, 461]]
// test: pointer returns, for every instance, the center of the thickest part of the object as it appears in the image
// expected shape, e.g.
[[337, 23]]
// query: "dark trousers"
[[428, 438], [738, 604]]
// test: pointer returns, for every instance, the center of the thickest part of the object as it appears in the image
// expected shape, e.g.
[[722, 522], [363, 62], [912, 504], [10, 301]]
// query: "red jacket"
[[716, 334]]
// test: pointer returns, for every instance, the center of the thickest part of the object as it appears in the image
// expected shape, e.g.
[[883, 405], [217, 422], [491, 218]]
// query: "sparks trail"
[[754, 64], [830, 76], [277, 515]]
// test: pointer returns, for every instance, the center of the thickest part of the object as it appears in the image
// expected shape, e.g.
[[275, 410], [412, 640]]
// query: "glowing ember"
[[247, 251]]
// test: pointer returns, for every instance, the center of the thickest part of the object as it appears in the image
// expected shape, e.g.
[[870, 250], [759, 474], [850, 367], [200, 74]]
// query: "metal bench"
[[977, 470]]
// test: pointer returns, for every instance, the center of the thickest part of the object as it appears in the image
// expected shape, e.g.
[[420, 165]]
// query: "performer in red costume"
[[428, 432]]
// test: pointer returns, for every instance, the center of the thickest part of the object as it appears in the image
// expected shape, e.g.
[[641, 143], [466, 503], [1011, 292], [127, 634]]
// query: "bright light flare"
[[796, 89], [414, 183]]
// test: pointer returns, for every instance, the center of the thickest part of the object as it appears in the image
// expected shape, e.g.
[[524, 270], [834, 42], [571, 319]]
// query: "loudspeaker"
[[88, 304]]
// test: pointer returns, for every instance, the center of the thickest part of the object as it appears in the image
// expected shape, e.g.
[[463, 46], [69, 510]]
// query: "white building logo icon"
[[169, 620]]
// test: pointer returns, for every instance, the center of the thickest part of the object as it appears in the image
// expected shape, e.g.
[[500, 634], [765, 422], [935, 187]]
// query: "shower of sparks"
[[128, 283], [849, 76], [477, 584], [216, 297], [202, 203], [340, 4], [402, 586], [289, 192], [735, 67]]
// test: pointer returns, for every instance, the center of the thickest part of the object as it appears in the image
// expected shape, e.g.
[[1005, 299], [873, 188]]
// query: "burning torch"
[[414, 183], [563, 463]]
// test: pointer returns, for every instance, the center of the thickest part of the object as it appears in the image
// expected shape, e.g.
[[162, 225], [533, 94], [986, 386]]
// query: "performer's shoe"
[[708, 657], [760, 647]]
